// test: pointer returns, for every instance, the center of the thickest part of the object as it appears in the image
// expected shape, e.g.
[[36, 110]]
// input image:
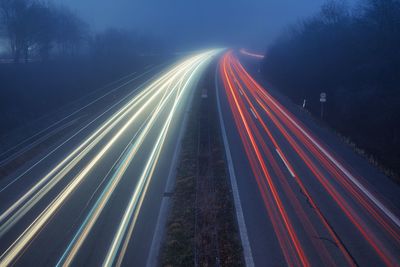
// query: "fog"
[[252, 23], [347, 48], [112, 110]]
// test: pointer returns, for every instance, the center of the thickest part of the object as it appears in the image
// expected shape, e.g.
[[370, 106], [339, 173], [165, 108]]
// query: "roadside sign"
[[322, 97]]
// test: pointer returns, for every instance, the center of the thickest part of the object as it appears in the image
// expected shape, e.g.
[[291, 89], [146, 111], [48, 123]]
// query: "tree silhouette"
[[35, 27], [353, 55]]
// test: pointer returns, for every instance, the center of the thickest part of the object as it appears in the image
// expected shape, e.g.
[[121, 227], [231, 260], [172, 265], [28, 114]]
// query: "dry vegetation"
[[202, 228]]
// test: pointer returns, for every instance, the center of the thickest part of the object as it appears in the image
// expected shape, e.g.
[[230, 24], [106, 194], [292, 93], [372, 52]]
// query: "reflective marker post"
[[322, 99]]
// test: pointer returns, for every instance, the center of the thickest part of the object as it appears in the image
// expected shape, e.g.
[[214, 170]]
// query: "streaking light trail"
[[268, 132], [251, 54], [151, 113]]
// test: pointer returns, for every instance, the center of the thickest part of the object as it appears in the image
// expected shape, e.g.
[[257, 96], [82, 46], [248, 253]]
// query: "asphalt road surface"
[[305, 201], [94, 199]]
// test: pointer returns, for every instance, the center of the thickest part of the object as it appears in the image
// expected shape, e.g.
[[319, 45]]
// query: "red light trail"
[[253, 110]]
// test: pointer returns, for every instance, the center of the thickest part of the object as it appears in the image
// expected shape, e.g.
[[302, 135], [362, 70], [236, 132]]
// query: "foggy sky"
[[254, 23]]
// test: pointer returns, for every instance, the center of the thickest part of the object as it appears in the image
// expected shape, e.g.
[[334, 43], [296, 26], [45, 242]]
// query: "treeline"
[[352, 54], [54, 58], [122, 47], [38, 30], [35, 29]]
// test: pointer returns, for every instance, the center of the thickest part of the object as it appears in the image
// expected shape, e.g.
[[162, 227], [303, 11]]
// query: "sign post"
[[322, 99]]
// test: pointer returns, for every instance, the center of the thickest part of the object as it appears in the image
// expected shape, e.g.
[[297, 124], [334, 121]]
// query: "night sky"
[[254, 23]]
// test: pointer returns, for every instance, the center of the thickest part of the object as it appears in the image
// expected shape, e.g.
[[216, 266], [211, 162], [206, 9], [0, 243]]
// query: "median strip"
[[201, 228]]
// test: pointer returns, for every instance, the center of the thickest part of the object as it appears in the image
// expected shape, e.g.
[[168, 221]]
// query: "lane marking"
[[284, 161], [68, 163], [123, 235], [254, 114], [39, 141], [80, 236], [29, 233], [254, 151], [80, 130], [154, 253], [248, 256], [78, 109], [355, 181]]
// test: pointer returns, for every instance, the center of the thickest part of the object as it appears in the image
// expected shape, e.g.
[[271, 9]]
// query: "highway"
[[77, 115], [94, 199], [300, 202]]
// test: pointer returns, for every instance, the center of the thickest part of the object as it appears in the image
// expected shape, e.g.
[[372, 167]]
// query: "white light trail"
[[131, 112], [93, 215], [132, 210], [57, 173]]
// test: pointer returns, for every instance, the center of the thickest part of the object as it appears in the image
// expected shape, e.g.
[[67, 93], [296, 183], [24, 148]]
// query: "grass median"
[[201, 228]]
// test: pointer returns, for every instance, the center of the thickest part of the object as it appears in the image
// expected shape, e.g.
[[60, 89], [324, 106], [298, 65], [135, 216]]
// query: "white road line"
[[32, 230], [355, 181], [248, 256], [107, 192], [37, 142], [284, 161], [153, 257], [240, 91], [254, 114], [79, 109], [2, 188], [126, 226]]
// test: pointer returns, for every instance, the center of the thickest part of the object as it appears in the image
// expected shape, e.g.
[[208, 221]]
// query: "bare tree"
[[384, 15], [43, 29], [35, 27], [333, 12], [71, 31], [354, 57], [13, 15]]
